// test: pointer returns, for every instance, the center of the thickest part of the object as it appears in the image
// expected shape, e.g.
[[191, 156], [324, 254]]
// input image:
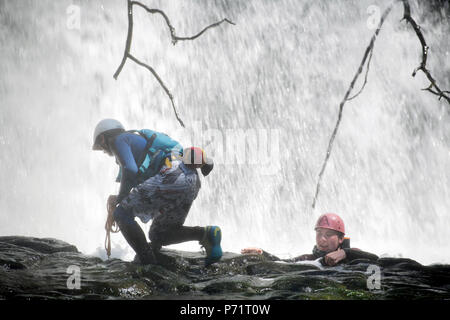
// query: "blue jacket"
[[128, 148]]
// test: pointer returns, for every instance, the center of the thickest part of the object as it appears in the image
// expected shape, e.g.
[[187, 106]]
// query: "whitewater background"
[[278, 76]]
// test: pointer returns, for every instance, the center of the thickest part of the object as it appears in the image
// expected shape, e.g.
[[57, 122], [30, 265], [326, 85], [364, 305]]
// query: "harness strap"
[[150, 155], [147, 149]]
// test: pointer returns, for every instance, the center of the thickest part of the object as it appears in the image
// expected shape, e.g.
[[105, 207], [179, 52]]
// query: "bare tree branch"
[[201, 32], [160, 82], [440, 93], [365, 78], [423, 64], [368, 52], [175, 38], [129, 38]]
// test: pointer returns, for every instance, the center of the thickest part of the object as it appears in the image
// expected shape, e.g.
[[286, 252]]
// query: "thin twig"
[[175, 38], [365, 78], [201, 32], [160, 82], [341, 106]]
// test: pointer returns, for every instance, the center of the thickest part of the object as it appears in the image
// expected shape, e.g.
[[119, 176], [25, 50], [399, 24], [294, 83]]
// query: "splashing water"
[[262, 96]]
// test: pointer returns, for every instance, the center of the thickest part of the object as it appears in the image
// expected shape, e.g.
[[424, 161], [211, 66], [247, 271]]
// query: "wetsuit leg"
[[166, 198], [133, 234], [167, 228], [176, 235]]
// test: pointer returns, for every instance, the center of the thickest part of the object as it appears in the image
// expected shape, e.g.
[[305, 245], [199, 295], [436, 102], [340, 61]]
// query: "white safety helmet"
[[104, 126]]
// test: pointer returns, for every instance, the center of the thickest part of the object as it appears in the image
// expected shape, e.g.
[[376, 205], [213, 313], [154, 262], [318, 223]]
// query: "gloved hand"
[[207, 167], [111, 203]]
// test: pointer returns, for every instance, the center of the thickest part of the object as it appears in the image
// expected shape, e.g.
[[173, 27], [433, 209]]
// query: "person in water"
[[159, 181], [331, 245]]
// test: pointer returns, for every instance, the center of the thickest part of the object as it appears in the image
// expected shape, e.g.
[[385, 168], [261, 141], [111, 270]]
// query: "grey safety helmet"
[[104, 126]]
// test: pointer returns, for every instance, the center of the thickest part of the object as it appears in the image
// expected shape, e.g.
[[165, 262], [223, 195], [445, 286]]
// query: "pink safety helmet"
[[330, 221]]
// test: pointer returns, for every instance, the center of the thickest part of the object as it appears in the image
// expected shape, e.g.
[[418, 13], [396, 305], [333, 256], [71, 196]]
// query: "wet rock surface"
[[32, 268]]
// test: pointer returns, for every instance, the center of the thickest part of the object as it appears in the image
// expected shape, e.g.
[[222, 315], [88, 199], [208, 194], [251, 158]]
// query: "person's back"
[[140, 155], [129, 143]]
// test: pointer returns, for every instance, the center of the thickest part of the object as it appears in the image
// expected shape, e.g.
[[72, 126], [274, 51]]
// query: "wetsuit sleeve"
[[353, 254], [128, 165], [304, 257]]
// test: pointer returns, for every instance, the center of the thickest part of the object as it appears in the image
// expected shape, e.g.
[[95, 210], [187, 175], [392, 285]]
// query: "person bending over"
[[159, 181]]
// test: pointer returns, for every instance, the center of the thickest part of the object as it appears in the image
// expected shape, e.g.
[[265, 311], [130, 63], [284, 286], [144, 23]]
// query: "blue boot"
[[211, 243]]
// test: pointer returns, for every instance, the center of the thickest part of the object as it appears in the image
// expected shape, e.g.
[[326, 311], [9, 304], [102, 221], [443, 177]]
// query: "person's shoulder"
[[128, 136]]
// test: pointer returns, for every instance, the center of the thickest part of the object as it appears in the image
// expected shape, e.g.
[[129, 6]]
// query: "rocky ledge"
[[32, 268]]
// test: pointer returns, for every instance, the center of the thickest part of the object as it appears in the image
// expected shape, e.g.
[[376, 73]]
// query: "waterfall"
[[261, 97]]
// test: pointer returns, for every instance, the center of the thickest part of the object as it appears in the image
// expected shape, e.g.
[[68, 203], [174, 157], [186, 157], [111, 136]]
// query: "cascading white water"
[[262, 96]]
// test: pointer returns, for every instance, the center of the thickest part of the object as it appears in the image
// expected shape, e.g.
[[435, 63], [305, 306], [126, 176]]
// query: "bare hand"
[[333, 258], [251, 251]]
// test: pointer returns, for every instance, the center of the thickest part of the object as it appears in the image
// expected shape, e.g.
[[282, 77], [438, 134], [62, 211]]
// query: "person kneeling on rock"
[[331, 245], [159, 181]]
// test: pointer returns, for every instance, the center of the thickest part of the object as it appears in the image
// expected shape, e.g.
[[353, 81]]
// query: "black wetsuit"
[[350, 253]]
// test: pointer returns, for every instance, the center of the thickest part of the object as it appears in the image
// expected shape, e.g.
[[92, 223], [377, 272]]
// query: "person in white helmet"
[[155, 184]]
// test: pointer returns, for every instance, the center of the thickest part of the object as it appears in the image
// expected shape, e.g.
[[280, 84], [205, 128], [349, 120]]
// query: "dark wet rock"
[[274, 268], [390, 262], [301, 283], [41, 245], [32, 268]]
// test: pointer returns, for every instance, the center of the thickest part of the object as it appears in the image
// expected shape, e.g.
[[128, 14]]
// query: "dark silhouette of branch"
[[129, 38], [175, 38], [437, 91], [423, 64], [365, 78], [160, 82], [368, 53]]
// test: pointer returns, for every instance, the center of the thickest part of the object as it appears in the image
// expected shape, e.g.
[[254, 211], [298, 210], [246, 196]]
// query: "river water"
[[261, 97]]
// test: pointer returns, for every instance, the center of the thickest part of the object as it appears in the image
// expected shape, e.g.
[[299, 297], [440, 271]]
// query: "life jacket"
[[159, 150]]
